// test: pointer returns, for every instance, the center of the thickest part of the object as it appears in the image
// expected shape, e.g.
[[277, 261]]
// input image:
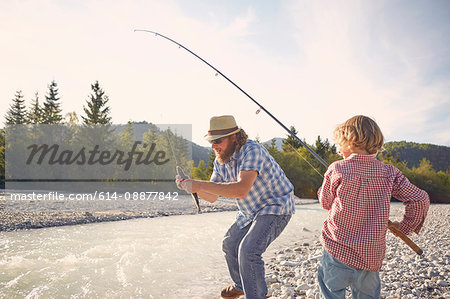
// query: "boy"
[[357, 191]]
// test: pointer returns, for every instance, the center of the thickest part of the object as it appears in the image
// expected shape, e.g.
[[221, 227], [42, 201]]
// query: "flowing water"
[[165, 257]]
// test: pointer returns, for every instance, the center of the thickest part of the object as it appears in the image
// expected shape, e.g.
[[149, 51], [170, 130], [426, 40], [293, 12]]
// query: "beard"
[[225, 155]]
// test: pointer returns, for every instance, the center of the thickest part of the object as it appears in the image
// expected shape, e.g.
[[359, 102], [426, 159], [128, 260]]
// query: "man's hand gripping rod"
[[181, 173]]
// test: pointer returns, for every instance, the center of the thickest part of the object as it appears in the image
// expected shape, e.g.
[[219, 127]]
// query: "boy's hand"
[[394, 227]]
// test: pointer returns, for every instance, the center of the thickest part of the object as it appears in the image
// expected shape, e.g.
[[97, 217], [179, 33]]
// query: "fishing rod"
[[243, 91], [397, 232]]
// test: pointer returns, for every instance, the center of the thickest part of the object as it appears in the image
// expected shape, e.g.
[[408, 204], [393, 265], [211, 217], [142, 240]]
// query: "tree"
[[291, 143], [199, 172], [210, 168], [97, 112], [273, 150], [16, 114], [35, 114], [325, 150], [52, 111]]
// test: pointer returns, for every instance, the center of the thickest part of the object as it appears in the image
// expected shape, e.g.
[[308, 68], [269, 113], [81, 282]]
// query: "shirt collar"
[[361, 157], [237, 153]]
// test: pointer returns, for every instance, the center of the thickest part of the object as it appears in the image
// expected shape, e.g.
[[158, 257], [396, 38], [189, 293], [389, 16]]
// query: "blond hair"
[[359, 132]]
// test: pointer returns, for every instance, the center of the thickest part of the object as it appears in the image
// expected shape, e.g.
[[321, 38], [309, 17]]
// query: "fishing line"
[[237, 86], [301, 156]]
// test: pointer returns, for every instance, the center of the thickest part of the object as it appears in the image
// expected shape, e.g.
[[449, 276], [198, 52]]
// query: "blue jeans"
[[334, 276], [243, 249]]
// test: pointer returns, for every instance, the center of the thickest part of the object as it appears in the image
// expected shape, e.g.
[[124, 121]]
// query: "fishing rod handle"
[[181, 173]]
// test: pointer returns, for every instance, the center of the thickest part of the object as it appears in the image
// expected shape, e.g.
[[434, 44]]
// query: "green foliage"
[[203, 172], [210, 168], [16, 114], [35, 114], [298, 166], [305, 180], [412, 153], [302, 169], [291, 143], [199, 172], [52, 110], [436, 184], [97, 111], [423, 175], [273, 150]]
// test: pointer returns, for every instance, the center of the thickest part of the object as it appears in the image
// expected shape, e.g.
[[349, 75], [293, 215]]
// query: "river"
[[164, 257]]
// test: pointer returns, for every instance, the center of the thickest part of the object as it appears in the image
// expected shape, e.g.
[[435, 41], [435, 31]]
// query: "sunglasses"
[[218, 141]]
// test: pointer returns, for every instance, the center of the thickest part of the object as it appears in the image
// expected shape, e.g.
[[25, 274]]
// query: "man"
[[244, 170]]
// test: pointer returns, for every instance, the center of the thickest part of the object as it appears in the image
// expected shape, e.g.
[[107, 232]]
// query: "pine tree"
[[97, 112], [291, 143], [17, 112], [36, 113], [52, 111], [273, 150]]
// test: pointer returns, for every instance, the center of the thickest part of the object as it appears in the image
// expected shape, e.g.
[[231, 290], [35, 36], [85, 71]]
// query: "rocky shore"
[[15, 215], [28, 215], [291, 273]]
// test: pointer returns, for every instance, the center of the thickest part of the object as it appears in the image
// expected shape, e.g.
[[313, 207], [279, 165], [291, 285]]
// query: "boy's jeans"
[[243, 249], [334, 276]]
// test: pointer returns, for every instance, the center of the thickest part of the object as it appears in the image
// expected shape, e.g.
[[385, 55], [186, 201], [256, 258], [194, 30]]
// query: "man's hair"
[[241, 138], [360, 131]]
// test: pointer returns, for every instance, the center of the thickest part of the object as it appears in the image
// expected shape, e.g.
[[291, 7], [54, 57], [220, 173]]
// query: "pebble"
[[292, 273]]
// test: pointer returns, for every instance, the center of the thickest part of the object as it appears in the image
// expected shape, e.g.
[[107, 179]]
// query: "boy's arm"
[[327, 192], [416, 202]]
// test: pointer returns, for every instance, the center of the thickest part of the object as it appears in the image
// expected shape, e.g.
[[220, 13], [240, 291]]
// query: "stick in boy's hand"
[[393, 227]]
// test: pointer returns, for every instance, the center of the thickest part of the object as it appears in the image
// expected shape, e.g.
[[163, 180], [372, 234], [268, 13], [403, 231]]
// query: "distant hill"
[[141, 127], [278, 142], [200, 153], [412, 153]]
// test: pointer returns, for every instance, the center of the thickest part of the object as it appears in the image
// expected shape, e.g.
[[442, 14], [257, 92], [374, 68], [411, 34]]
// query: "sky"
[[312, 64]]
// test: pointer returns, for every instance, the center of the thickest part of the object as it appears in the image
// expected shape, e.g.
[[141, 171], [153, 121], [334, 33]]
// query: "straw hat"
[[221, 126]]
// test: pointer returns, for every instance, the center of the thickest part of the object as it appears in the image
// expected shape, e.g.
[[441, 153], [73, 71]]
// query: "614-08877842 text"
[[154, 195], [103, 196]]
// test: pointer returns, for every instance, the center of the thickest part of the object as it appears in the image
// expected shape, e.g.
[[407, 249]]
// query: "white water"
[[166, 257]]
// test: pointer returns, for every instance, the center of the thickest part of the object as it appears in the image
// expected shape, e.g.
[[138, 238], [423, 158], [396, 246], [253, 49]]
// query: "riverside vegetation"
[[425, 165]]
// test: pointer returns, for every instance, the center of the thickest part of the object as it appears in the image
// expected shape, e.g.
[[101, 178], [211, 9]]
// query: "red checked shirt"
[[356, 192]]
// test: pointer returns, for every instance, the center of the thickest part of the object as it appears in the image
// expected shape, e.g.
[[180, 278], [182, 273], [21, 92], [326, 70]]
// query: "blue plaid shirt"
[[271, 193]]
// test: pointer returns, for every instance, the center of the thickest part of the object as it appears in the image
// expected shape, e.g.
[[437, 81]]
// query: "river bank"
[[17, 215], [181, 256], [291, 272]]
